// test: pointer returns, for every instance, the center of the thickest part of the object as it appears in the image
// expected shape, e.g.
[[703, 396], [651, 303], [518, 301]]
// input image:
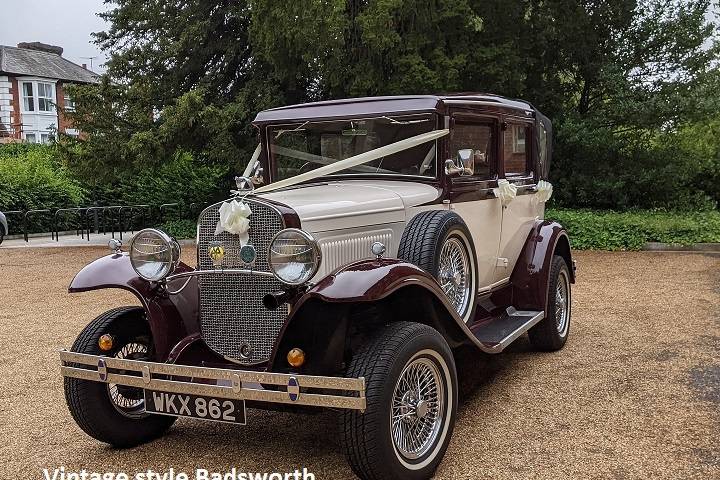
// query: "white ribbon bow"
[[505, 191], [234, 219], [544, 191]]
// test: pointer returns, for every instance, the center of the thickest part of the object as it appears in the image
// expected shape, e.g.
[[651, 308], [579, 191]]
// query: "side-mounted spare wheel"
[[411, 392], [111, 413], [439, 242]]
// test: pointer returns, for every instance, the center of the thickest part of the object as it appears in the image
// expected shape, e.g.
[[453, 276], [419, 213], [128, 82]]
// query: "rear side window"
[[516, 149]]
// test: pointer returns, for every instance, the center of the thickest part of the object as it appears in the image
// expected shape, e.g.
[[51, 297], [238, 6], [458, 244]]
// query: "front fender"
[[319, 319], [530, 276], [171, 317]]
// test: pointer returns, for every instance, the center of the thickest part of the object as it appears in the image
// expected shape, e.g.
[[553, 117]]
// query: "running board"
[[499, 332]]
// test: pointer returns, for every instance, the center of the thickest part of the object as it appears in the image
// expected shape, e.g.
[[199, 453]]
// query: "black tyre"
[[411, 392], [440, 243], [553, 330], [115, 414], [2, 234]]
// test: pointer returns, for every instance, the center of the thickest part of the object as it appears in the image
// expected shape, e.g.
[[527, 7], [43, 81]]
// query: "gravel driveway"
[[634, 394]]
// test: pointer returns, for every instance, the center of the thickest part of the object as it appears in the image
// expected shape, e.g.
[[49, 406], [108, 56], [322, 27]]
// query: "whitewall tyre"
[[411, 392]]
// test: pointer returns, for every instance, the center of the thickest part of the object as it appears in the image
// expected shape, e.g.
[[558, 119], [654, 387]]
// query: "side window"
[[516, 149], [472, 143]]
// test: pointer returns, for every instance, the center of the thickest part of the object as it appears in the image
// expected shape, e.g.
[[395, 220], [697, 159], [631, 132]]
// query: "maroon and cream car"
[[367, 239]]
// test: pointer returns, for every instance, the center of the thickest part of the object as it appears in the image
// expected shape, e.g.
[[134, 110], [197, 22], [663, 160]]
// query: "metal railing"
[[108, 218]]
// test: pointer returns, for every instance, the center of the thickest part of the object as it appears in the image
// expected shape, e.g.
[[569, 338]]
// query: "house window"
[[38, 96], [28, 99], [518, 139], [45, 97], [46, 137], [69, 103], [30, 138]]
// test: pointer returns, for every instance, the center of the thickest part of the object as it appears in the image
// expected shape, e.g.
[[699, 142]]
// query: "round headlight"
[[294, 256], [154, 254]]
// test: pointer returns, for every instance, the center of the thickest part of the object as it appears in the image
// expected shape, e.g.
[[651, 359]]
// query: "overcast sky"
[[67, 23]]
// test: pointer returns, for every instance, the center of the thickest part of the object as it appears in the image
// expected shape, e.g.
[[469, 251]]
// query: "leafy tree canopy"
[[632, 85]]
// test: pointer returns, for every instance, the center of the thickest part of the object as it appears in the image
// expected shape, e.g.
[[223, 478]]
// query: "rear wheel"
[[2, 234], [411, 393], [111, 413], [552, 331]]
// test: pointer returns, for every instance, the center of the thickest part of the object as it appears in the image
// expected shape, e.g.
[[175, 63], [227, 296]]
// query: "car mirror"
[[466, 161]]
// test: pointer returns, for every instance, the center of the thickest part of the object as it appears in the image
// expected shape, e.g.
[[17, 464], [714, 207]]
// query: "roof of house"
[[386, 105], [36, 63]]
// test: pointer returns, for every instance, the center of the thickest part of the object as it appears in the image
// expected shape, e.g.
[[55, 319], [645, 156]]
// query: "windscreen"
[[302, 147]]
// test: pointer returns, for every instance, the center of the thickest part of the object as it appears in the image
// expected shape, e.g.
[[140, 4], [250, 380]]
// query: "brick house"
[[32, 93]]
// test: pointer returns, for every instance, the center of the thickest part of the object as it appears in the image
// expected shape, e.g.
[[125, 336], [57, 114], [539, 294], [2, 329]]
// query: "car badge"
[[248, 254], [216, 252], [293, 389], [102, 370]]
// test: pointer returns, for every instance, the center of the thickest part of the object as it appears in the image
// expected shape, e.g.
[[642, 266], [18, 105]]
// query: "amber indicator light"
[[296, 357], [105, 342]]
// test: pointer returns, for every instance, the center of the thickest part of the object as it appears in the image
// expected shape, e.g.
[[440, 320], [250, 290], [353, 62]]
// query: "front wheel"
[[111, 413], [411, 393]]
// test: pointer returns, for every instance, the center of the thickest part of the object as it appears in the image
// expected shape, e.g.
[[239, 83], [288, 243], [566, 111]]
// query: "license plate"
[[195, 406]]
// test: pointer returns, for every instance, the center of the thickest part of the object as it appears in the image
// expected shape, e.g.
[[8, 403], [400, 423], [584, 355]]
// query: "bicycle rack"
[[25, 217], [56, 228]]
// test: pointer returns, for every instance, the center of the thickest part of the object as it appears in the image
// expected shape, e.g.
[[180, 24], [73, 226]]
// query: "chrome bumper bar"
[[217, 382]]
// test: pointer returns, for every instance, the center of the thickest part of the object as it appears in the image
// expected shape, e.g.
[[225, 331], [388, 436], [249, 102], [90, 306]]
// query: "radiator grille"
[[231, 311]]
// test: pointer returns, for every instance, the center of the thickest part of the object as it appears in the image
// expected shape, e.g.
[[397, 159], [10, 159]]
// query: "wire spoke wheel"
[[454, 273], [129, 401], [562, 298], [417, 408]]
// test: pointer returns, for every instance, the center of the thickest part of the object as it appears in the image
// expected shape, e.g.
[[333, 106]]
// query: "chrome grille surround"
[[232, 315]]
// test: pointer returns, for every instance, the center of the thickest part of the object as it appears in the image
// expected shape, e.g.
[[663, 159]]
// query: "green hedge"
[[180, 229], [607, 230], [31, 178]]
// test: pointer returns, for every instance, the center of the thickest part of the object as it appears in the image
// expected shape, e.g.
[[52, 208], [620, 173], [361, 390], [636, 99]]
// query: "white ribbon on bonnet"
[[234, 215]]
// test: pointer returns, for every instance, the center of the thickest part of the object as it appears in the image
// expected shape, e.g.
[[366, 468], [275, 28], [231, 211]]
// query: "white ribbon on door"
[[505, 191], [544, 191]]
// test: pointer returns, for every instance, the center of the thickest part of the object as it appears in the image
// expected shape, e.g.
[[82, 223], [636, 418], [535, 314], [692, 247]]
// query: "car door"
[[471, 193], [520, 214]]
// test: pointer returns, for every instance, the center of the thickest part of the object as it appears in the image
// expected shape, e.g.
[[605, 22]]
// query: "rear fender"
[[530, 277], [171, 317], [358, 297]]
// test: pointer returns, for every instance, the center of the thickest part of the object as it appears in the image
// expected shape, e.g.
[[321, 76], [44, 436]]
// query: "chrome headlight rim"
[[316, 252], [172, 244]]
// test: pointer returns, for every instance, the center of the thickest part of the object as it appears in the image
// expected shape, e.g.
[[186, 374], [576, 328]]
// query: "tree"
[[620, 78]]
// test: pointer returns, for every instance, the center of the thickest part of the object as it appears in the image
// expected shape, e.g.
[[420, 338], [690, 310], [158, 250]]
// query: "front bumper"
[[347, 393]]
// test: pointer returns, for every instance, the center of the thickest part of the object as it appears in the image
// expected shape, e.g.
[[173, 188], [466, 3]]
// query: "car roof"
[[387, 105]]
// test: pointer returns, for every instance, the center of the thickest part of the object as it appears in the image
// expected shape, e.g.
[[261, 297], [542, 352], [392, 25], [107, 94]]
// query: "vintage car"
[[367, 239]]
